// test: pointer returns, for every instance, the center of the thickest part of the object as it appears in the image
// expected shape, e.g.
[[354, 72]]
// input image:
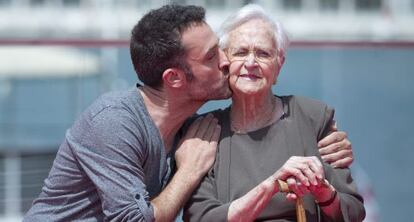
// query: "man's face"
[[207, 62]]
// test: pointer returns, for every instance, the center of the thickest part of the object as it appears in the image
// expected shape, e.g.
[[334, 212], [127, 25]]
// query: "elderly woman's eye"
[[240, 53], [263, 54]]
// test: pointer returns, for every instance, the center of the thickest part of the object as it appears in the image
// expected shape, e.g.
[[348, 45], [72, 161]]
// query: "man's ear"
[[174, 78]]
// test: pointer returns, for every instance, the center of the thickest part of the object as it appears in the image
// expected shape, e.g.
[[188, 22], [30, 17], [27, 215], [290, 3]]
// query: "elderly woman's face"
[[253, 58]]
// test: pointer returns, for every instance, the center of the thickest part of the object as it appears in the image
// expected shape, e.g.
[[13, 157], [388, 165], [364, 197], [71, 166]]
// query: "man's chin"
[[225, 95]]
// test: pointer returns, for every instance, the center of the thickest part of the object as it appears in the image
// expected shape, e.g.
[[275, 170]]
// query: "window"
[[37, 2], [412, 5], [245, 2], [34, 170], [4, 3], [179, 2], [2, 185], [71, 3], [368, 5], [215, 3], [329, 5], [293, 5]]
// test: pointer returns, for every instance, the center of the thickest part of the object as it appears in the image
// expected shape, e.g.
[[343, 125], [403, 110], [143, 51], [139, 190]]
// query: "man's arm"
[[194, 158], [112, 154], [347, 199], [335, 148]]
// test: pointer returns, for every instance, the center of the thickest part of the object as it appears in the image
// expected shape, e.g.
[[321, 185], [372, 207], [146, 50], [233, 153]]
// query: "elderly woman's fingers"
[[332, 138], [305, 166], [301, 175], [297, 187], [293, 186], [288, 170], [291, 196], [323, 192], [311, 167], [306, 170], [317, 167]]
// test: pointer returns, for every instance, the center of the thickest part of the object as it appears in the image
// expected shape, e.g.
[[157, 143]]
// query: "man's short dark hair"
[[156, 41]]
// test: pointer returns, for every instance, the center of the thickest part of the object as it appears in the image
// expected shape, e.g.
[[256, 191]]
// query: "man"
[[116, 162]]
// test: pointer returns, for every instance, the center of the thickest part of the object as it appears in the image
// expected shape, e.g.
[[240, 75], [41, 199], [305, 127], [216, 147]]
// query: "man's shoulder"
[[307, 105], [112, 109], [119, 98], [220, 112], [304, 101], [114, 101]]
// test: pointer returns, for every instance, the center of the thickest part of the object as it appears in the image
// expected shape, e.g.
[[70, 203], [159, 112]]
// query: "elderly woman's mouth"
[[250, 76]]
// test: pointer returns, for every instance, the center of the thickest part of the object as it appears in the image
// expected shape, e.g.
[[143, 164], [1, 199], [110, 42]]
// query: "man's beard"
[[223, 92]]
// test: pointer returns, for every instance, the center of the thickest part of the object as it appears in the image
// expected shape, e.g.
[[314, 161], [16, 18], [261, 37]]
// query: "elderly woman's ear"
[[280, 61], [281, 58]]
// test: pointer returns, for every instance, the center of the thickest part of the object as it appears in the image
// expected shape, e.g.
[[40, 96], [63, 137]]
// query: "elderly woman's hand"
[[336, 149], [323, 193], [305, 175], [301, 173]]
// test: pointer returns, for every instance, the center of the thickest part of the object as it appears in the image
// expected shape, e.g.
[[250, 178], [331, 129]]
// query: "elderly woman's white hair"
[[247, 13]]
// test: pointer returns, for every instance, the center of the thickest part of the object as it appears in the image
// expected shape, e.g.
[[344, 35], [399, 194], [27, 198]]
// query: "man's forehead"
[[199, 38]]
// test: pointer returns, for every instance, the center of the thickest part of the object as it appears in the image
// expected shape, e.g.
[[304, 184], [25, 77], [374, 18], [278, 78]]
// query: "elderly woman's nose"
[[250, 60]]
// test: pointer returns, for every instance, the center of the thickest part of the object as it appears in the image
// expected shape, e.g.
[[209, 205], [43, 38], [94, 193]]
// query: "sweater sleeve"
[[351, 203], [112, 154], [204, 204]]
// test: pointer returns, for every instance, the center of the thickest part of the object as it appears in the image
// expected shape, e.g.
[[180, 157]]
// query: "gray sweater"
[[111, 163], [245, 160]]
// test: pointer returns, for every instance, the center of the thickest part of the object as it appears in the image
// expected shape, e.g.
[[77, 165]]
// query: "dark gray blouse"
[[245, 160]]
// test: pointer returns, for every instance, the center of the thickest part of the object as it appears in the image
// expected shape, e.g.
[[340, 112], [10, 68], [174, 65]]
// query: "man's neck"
[[168, 111]]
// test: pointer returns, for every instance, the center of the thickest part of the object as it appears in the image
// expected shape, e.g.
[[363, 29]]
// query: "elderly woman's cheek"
[[234, 72]]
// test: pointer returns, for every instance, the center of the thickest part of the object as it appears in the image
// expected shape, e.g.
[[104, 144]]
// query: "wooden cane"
[[300, 209]]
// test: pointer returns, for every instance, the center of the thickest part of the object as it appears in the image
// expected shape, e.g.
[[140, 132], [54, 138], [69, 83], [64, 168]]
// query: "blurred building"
[[310, 19], [43, 89], [40, 90]]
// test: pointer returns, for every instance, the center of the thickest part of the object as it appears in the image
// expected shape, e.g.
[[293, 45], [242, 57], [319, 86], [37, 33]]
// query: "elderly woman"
[[266, 138]]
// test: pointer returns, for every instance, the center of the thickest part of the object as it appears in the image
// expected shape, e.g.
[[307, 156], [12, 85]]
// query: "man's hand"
[[194, 157], [336, 149], [197, 150]]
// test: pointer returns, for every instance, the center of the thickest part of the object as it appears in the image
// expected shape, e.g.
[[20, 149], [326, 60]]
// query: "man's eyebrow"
[[213, 48]]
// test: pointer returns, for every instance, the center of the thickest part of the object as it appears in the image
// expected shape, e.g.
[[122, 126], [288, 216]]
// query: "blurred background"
[[57, 56]]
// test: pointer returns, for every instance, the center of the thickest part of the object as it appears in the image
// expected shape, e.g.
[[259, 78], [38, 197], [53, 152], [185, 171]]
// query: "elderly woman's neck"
[[249, 113]]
